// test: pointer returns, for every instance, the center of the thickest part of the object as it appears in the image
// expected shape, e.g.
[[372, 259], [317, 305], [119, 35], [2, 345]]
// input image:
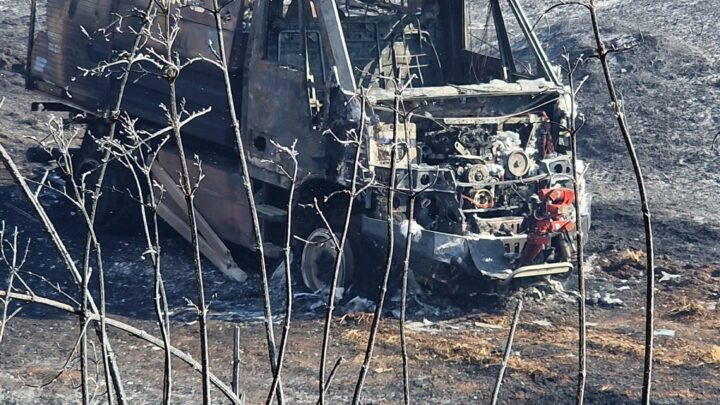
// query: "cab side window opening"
[[294, 41], [285, 43], [401, 38], [394, 39]]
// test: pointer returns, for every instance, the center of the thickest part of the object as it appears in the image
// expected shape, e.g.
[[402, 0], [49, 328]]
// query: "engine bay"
[[503, 175]]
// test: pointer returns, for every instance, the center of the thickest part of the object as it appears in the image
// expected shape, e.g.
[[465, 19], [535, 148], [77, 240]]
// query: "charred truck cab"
[[477, 112]]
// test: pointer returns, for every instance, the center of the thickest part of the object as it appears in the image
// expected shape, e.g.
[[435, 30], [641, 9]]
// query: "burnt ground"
[[670, 83]]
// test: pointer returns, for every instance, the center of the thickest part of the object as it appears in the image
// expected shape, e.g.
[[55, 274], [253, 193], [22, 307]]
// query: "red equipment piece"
[[556, 203]]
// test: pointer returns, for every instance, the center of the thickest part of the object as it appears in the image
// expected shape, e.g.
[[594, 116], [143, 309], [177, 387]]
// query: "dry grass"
[[713, 356], [457, 350], [677, 352], [615, 344], [688, 309], [674, 353], [634, 256], [685, 395], [529, 366], [355, 336], [356, 319], [463, 348], [39, 376]]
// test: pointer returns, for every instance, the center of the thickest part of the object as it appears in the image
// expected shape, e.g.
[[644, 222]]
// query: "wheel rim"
[[318, 261]]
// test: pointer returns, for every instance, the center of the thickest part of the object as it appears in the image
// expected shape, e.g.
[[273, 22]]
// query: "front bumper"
[[475, 255]]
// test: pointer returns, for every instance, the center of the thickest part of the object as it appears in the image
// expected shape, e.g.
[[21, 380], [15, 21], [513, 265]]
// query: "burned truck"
[[484, 151]]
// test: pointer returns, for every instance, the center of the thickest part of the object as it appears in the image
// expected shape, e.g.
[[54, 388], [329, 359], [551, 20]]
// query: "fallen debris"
[[668, 277], [359, 305], [624, 264], [605, 300], [424, 326], [542, 322], [664, 333]]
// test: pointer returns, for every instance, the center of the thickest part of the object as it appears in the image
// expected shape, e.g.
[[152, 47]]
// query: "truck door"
[[283, 95]]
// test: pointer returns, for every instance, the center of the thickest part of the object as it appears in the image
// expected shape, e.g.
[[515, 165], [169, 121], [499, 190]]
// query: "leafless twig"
[[508, 352], [172, 70], [14, 262], [616, 105], [333, 372], [292, 154], [61, 248], [148, 16], [140, 166], [236, 361], [579, 237], [340, 245], [377, 316], [139, 333], [247, 185], [405, 273]]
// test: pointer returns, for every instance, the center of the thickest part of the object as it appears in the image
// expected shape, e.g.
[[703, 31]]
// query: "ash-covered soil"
[[670, 86], [670, 83]]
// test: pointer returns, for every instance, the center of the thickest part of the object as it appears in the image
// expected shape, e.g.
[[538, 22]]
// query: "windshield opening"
[[429, 43], [494, 35]]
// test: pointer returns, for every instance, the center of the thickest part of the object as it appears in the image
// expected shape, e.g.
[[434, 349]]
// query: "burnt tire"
[[317, 257]]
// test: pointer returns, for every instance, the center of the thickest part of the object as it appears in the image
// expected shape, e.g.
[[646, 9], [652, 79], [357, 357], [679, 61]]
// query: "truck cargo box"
[[80, 35]]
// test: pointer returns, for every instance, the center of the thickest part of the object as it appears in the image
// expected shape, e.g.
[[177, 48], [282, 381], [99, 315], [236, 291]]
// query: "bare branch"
[[247, 185], [621, 119], [508, 352], [389, 255], [139, 333], [340, 249]]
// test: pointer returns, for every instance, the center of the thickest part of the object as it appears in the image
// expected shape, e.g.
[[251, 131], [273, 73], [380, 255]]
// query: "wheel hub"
[[318, 261]]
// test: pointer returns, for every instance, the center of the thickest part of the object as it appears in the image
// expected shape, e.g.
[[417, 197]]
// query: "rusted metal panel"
[[199, 84], [64, 47], [276, 96], [221, 197], [276, 89]]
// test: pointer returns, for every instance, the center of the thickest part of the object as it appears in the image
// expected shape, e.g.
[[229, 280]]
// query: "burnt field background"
[[670, 83]]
